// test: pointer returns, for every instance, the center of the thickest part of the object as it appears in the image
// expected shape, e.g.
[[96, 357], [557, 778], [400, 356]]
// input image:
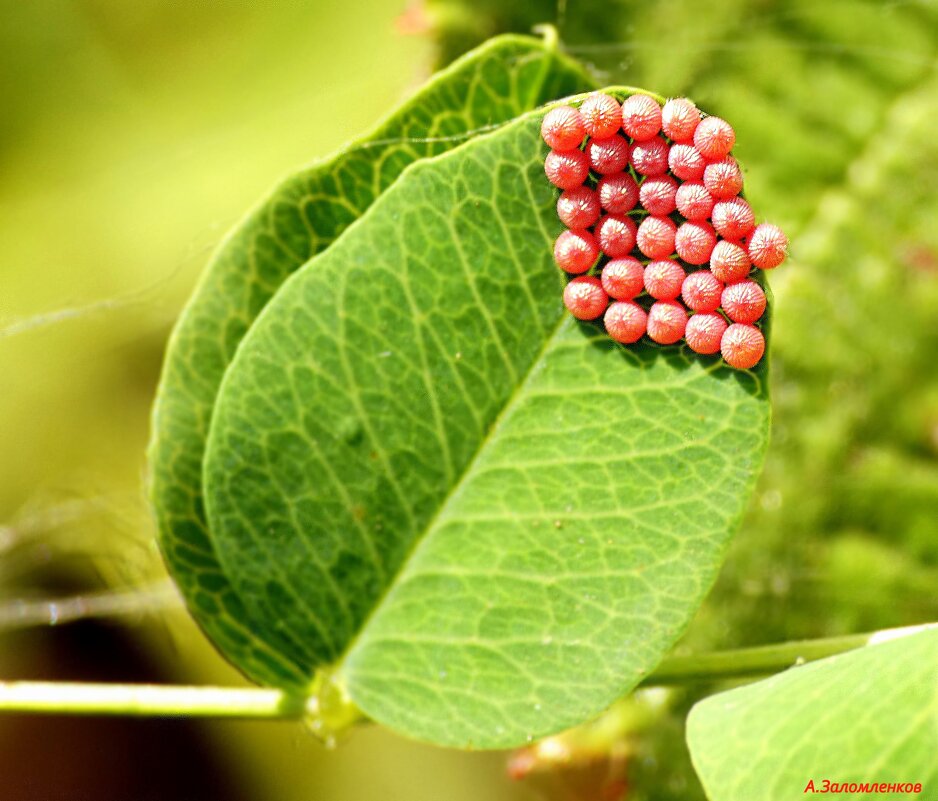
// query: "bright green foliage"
[[870, 715], [493, 521], [302, 216]]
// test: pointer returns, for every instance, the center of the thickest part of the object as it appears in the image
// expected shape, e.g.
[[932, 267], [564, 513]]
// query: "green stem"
[[229, 702], [764, 659], [744, 662], [147, 700], [549, 34]]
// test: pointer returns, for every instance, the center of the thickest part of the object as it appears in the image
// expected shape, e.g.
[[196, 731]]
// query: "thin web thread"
[[139, 601]]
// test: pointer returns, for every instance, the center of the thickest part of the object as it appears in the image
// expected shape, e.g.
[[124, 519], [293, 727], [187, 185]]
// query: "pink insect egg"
[[562, 128], [575, 251], [608, 155], [733, 218], [618, 193], [657, 194], [655, 237], [663, 279], [625, 321], [679, 119], [768, 246], [701, 291], [616, 235], [686, 162], [694, 242], [623, 279], [585, 297], [650, 157], [601, 115], [729, 262], [667, 320], [742, 346], [693, 201], [704, 332], [723, 178], [743, 302], [641, 117], [578, 208], [714, 138], [567, 170]]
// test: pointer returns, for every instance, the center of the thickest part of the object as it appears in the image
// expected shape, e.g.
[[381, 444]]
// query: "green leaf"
[[485, 520], [303, 216], [870, 715]]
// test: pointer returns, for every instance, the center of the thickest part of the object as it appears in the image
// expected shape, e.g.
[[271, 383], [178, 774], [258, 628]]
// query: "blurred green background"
[[134, 135]]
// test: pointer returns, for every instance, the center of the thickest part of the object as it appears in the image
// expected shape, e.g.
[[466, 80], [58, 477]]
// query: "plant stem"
[[549, 34], [144, 700], [744, 662], [149, 700], [763, 659]]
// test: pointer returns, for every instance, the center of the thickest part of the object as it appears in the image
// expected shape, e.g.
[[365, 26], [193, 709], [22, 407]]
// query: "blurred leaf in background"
[[135, 135]]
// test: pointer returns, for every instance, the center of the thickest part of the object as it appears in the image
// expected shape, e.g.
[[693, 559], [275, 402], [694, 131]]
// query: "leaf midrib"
[[468, 467], [467, 471], [522, 381]]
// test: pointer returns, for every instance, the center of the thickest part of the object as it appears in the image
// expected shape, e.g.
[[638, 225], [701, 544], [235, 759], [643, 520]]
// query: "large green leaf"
[[487, 520], [868, 716], [302, 216]]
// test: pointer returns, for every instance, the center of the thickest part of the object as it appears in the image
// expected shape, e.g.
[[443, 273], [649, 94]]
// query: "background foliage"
[[135, 134]]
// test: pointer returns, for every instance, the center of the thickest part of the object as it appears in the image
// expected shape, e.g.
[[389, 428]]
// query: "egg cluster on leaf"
[[658, 239]]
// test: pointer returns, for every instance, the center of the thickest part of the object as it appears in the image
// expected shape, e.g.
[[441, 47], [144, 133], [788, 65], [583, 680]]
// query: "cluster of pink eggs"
[[657, 236]]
